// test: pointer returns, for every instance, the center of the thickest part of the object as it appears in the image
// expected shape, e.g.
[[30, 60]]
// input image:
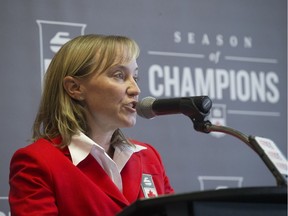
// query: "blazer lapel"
[[95, 172], [131, 178]]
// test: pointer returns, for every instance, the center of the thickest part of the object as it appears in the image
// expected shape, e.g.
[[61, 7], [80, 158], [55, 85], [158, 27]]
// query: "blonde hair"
[[61, 115]]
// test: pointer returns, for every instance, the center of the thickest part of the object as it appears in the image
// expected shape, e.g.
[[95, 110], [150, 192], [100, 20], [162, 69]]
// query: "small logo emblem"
[[218, 117], [148, 186]]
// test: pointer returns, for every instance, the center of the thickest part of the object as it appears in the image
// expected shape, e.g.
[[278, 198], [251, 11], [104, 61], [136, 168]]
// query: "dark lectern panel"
[[238, 209], [239, 201]]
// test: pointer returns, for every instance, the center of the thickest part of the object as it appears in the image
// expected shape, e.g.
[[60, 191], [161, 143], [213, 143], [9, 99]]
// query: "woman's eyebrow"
[[123, 67]]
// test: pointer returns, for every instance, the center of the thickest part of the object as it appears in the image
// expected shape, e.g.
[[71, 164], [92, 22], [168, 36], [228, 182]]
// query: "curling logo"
[[52, 36], [220, 182], [4, 207], [218, 117]]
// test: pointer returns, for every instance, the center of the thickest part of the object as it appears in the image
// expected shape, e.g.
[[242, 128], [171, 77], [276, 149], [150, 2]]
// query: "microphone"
[[197, 107]]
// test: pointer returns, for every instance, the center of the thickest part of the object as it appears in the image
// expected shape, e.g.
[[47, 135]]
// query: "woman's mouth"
[[131, 106]]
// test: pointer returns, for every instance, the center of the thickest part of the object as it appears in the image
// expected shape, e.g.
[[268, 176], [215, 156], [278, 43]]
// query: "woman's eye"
[[119, 75], [136, 78]]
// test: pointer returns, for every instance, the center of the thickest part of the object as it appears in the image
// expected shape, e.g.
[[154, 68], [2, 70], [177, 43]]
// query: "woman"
[[79, 162]]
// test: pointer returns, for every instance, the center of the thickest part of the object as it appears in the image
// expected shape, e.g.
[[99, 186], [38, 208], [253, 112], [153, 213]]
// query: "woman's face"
[[110, 97]]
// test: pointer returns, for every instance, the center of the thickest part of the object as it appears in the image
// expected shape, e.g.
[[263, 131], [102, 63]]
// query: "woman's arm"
[[31, 185]]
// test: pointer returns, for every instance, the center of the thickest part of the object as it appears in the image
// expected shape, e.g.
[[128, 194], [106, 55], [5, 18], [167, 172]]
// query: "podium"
[[254, 201]]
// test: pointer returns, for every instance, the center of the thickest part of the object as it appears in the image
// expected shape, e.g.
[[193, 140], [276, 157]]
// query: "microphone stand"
[[206, 127]]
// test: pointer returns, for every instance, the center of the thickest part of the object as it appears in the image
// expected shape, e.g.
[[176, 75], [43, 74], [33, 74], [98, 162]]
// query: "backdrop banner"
[[233, 51]]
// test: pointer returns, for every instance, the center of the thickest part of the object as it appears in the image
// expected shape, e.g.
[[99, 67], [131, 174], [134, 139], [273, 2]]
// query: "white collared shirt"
[[81, 145]]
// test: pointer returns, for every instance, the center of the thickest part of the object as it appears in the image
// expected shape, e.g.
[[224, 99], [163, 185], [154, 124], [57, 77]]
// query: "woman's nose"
[[133, 88]]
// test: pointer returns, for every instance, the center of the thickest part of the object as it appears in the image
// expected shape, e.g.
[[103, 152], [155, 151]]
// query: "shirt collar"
[[81, 146]]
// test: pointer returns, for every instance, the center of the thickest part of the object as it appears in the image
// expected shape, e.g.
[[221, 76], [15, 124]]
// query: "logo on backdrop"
[[218, 117], [4, 205], [221, 66], [53, 35], [237, 84], [219, 182]]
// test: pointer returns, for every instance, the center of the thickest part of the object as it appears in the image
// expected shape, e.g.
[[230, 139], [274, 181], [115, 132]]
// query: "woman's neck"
[[103, 139]]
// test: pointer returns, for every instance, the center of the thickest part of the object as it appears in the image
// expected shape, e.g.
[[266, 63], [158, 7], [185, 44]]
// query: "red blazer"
[[44, 181]]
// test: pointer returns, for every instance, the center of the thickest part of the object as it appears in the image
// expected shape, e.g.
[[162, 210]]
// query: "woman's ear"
[[72, 87]]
